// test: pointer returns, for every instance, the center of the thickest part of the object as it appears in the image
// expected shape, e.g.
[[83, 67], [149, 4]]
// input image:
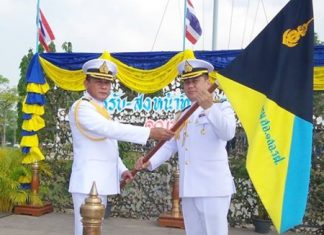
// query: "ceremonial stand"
[[173, 218], [92, 212], [36, 209]]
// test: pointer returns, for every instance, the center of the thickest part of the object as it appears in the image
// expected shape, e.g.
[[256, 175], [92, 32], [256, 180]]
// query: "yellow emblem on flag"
[[291, 37]]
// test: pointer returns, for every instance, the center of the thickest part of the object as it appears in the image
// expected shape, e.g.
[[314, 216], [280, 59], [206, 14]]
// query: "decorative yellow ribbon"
[[37, 88], [34, 155], [34, 124], [29, 141]]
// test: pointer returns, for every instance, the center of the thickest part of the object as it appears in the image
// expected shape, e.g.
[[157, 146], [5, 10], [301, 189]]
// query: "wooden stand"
[[174, 218], [169, 220], [34, 210]]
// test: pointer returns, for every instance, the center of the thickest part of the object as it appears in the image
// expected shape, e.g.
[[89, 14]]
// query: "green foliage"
[[67, 46], [58, 184], [317, 41], [3, 81], [8, 115], [261, 211], [12, 174], [22, 88], [11, 170], [128, 156]]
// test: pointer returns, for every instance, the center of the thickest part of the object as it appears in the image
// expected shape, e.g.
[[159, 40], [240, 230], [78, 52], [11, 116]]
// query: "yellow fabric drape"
[[319, 78], [29, 141], [37, 88], [150, 81], [33, 108], [34, 124], [65, 79], [34, 155], [143, 81]]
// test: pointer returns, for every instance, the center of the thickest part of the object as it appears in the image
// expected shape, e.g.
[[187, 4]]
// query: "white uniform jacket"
[[99, 161], [203, 160]]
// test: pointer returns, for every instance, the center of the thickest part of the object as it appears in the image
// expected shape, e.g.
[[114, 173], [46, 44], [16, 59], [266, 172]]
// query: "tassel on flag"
[[45, 33], [193, 29]]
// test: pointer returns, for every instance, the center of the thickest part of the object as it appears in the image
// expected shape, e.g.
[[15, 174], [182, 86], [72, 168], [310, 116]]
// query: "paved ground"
[[62, 224]]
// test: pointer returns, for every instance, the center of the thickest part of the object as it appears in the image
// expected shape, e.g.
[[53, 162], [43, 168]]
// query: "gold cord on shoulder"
[[100, 110]]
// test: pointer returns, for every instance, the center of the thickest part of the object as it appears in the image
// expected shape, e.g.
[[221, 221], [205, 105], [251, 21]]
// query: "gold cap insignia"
[[104, 68], [187, 67]]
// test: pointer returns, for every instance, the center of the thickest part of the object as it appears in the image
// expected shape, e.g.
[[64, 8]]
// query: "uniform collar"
[[87, 95]]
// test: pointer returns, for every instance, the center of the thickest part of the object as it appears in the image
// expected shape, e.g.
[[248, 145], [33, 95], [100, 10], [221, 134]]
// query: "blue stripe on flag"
[[194, 22], [297, 181]]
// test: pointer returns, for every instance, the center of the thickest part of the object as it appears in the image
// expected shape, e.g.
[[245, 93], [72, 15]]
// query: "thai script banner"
[[172, 101]]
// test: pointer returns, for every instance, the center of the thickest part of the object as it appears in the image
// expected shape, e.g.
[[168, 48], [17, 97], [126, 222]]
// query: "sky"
[[133, 25]]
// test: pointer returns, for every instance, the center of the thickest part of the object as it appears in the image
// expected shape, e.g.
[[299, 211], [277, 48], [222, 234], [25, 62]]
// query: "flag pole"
[[184, 26], [215, 21], [37, 28]]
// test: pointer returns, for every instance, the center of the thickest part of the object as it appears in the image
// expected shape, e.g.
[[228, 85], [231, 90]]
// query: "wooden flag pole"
[[174, 128]]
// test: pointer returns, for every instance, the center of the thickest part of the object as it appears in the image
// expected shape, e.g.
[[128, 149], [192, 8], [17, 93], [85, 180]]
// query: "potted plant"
[[261, 220]]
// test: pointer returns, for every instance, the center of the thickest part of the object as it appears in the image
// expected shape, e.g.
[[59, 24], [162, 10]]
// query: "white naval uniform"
[[98, 161], [205, 177]]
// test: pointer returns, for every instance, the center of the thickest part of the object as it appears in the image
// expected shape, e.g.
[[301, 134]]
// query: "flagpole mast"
[[184, 26], [215, 19], [37, 22]]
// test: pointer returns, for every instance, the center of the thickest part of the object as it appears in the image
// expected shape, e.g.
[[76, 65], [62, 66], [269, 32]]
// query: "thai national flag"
[[45, 33], [193, 30]]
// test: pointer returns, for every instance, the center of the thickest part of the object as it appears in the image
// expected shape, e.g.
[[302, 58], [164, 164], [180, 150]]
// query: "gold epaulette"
[[99, 109]]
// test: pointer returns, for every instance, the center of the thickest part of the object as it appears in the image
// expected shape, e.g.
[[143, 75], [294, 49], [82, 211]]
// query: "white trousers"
[[78, 200], [206, 215]]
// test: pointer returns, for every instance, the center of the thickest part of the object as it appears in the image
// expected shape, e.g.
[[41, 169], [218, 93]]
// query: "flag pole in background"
[[192, 29], [215, 22], [184, 25], [44, 33], [37, 26]]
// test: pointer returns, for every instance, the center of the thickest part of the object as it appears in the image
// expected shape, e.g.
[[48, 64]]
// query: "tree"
[[22, 91], [67, 46], [317, 41], [8, 116]]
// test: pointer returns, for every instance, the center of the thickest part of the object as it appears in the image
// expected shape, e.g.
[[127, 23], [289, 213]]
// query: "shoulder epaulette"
[[86, 99]]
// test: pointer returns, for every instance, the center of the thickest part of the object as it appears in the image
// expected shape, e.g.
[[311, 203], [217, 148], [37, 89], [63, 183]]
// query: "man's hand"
[[159, 133], [204, 99], [127, 176], [140, 165]]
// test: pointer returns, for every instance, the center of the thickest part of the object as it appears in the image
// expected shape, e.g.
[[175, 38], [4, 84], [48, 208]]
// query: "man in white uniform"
[[96, 156], [206, 183]]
